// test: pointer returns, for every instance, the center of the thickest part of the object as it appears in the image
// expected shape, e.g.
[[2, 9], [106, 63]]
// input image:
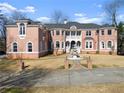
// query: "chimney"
[[65, 21]]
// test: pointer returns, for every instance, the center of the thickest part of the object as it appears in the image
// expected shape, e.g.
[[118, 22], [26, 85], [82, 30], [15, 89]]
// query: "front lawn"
[[54, 62]]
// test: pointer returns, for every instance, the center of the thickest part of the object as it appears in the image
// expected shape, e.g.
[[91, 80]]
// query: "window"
[[102, 45], [29, 47], [22, 29], [72, 33], [67, 43], [78, 33], [89, 44], [57, 32], [15, 47], [62, 44], [102, 32], [109, 44], [88, 33], [109, 32], [62, 32], [67, 33], [86, 44], [78, 44], [97, 32], [57, 44]]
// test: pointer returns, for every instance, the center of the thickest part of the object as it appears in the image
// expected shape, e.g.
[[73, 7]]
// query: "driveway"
[[82, 77], [39, 77]]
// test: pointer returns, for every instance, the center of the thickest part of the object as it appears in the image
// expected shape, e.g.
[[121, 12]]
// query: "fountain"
[[75, 58]]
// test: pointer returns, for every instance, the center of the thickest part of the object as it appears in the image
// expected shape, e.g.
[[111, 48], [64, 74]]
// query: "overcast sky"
[[83, 11]]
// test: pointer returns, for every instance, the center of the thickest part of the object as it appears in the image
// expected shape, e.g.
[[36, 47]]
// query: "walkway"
[[39, 77]]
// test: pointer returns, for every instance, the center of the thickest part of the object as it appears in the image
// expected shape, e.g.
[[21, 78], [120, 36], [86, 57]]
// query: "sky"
[[83, 11]]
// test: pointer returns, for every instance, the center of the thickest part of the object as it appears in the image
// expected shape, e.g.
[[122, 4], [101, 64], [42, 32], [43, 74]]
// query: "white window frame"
[[88, 33], [101, 46], [12, 46], [22, 36], [111, 43], [89, 44], [27, 46]]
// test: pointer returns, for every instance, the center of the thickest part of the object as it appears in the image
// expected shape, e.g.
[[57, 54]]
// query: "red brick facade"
[[28, 39]]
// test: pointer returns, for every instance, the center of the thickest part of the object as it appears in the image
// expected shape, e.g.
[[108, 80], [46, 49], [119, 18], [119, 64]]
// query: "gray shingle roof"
[[69, 24]]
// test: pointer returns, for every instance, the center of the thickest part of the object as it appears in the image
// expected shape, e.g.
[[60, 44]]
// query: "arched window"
[[15, 47], [67, 43], [109, 44], [57, 44], [29, 47], [22, 29], [78, 44]]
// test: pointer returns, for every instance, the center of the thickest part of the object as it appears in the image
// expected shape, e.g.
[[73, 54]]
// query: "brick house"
[[29, 39], [88, 38], [26, 39]]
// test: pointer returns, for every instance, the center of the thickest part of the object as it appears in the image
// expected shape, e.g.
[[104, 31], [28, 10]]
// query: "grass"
[[55, 62], [103, 88], [13, 90], [98, 88], [8, 65]]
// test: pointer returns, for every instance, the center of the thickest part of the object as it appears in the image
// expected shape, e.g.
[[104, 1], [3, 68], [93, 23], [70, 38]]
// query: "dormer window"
[[22, 29]]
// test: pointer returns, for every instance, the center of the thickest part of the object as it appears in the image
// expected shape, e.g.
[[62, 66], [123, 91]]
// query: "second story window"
[[67, 33], [57, 32], [72, 33], [109, 32], [22, 29], [88, 33], [102, 32], [62, 32], [78, 33]]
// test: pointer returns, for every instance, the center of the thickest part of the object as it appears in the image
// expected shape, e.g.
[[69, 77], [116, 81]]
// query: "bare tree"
[[58, 17], [112, 8], [18, 15]]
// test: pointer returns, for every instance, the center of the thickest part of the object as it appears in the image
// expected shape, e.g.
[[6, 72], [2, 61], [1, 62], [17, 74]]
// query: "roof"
[[69, 24], [30, 22]]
